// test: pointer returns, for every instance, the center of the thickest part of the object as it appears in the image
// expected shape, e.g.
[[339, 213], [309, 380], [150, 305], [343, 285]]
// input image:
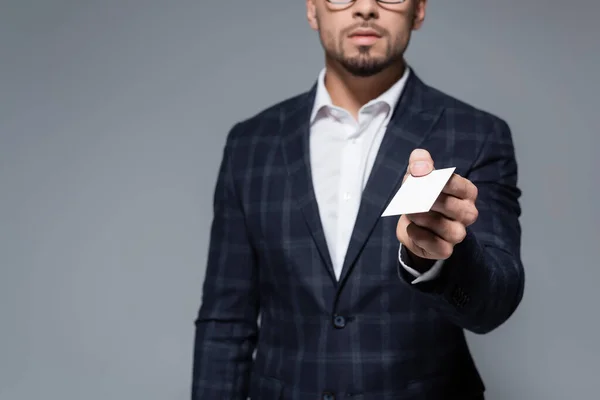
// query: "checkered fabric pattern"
[[274, 322]]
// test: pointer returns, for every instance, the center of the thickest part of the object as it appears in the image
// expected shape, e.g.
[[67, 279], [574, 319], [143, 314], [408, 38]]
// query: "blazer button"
[[328, 396], [339, 322]]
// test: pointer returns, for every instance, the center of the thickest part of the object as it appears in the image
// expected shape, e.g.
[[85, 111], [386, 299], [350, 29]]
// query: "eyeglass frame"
[[346, 2]]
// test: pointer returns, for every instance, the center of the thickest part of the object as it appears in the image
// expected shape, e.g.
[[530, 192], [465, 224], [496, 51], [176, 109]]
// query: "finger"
[[401, 228], [456, 209], [447, 205], [426, 244], [450, 231], [460, 187], [420, 163]]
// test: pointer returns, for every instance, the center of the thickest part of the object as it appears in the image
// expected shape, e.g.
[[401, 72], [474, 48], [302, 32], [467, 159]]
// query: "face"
[[365, 36]]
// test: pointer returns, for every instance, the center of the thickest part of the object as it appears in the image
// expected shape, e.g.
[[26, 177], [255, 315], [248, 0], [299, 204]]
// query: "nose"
[[366, 9]]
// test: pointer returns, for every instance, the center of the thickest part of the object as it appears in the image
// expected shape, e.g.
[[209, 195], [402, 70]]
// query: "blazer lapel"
[[295, 142], [408, 129]]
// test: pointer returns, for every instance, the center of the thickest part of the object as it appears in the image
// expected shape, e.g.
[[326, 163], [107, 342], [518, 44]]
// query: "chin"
[[366, 60], [368, 53], [363, 69]]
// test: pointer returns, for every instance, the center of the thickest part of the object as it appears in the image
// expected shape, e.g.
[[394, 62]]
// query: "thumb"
[[420, 163]]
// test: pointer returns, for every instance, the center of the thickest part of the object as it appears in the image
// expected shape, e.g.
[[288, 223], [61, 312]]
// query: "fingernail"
[[420, 167]]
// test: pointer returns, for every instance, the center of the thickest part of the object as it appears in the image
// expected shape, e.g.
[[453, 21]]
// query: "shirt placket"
[[351, 168]]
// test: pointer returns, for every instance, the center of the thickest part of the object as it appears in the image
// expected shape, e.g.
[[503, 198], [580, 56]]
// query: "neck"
[[351, 92]]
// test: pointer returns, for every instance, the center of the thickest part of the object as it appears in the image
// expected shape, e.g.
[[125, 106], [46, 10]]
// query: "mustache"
[[366, 25]]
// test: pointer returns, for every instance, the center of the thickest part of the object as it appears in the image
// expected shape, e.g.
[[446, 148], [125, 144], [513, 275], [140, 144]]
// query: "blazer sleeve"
[[482, 283], [226, 325]]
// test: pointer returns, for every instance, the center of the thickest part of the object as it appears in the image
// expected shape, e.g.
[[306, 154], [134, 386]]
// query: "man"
[[333, 300]]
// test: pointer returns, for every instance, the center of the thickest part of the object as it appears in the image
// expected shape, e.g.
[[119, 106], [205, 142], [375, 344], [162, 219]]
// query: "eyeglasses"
[[346, 2]]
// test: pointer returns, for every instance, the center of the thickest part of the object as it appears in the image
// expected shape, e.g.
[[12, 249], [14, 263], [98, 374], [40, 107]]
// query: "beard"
[[366, 63]]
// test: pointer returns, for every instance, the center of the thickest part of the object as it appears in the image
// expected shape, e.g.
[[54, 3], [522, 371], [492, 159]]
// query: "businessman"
[[309, 292]]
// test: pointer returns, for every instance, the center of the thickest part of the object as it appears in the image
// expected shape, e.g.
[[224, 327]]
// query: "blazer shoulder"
[[267, 121], [461, 110]]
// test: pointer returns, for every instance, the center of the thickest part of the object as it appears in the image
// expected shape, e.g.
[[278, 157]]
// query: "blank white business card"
[[418, 194]]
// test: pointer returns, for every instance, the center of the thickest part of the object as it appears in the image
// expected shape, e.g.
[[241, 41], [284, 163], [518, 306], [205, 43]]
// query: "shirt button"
[[339, 322], [347, 196]]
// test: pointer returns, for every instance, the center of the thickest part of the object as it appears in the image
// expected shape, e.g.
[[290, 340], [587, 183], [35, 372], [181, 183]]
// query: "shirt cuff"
[[430, 274]]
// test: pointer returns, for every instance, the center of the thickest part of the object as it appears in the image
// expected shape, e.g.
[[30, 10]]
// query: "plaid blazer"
[[274, 322]]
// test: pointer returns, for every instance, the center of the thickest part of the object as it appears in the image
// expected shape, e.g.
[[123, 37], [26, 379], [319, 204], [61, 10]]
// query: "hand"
[[432, 235]]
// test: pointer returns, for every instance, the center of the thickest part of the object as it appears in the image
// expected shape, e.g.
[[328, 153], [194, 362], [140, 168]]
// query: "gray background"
[[113, 115]]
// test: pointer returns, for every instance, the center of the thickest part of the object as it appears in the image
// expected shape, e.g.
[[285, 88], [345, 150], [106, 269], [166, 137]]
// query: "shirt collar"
[[390, 97]]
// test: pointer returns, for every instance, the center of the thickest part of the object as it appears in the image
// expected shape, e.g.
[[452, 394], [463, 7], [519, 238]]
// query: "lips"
[[365, 32], [364, 37]]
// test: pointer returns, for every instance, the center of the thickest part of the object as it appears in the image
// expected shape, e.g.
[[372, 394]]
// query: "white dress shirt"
[[342, 153]]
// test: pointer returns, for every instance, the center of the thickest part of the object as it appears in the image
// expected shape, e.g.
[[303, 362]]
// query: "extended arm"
[[481, 283]]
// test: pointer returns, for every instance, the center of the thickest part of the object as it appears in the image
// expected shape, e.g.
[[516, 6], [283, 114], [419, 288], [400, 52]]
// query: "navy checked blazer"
[[275, 323]]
